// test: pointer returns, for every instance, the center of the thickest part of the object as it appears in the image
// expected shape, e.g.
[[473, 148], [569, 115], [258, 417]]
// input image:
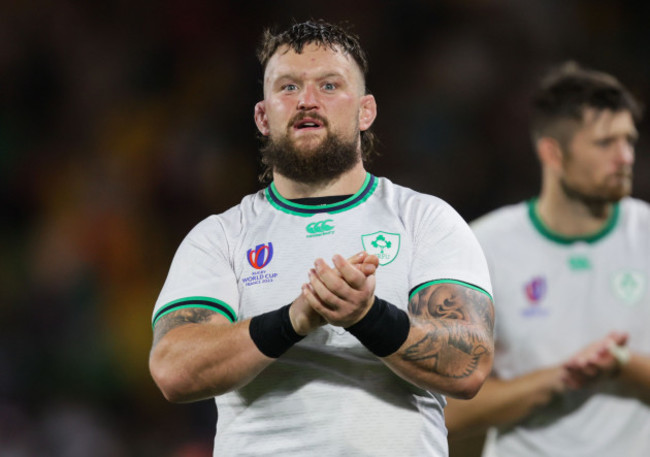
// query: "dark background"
[[124, 123]]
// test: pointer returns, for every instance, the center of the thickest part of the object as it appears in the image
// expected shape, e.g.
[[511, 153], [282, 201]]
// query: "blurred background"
[[124, 123]]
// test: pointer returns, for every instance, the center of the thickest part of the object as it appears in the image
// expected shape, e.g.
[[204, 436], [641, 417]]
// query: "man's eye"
[[329, 86], [289, 87]]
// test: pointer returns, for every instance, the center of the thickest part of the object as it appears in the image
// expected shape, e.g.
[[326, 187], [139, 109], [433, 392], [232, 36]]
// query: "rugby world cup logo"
[[260, 257], [536, 289]]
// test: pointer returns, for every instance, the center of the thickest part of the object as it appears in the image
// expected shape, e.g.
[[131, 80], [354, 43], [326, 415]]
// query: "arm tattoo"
[[178, 318], [458, 323]]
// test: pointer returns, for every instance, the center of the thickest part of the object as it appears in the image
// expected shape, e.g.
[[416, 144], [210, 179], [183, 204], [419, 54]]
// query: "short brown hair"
[[319, 32], [567, 90]]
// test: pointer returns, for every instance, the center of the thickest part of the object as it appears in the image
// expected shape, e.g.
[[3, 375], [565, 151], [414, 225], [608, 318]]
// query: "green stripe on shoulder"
[[449, 281], [196, 302]]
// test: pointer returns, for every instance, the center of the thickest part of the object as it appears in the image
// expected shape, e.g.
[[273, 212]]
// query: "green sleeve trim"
[[196, 302], [449, 281]]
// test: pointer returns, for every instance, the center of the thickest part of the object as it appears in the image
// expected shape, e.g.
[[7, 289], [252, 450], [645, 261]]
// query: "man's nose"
[[625, 152], [308, 98]]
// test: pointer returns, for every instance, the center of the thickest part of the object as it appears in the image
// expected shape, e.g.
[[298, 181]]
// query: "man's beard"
[[330, 159], [597, 201]]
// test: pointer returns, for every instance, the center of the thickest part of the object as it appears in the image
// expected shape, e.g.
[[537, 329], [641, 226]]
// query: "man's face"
[[597, 167], [313, 100]]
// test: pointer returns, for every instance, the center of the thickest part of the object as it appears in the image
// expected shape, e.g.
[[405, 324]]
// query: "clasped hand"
[[340, 295], [594, 362]]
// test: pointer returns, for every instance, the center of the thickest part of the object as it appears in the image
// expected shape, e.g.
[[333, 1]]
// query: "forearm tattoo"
[[458, 323], [178, 318]]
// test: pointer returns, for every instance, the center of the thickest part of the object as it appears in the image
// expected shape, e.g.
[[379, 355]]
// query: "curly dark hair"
[[320, 32], [564, 94], [324, 34]]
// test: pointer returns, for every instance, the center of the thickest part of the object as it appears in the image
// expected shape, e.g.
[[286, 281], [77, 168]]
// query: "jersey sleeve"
[[446, 250], [201, 274]]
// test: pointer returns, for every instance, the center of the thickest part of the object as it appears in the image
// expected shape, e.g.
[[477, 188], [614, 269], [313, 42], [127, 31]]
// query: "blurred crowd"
[[124, 123]]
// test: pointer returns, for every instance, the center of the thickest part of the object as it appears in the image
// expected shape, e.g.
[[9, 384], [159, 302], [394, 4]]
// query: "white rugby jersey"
[[553, 296], [328, 395]]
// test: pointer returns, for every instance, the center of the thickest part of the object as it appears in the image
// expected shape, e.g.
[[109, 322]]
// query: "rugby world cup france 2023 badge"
[[384, 245], [259, 258]]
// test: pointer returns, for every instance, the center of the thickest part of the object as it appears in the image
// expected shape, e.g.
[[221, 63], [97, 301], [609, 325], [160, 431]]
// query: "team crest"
[[629, 286], [382, 244]]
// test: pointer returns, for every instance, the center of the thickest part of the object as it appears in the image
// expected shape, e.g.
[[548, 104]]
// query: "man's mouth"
[[308, 123], [623, 174]]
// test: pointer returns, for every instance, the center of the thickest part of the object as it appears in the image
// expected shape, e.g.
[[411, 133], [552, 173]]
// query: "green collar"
[[298, 209], [563, 239]]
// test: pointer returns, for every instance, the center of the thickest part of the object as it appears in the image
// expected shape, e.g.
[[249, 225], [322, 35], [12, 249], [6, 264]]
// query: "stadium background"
[[124, 123]]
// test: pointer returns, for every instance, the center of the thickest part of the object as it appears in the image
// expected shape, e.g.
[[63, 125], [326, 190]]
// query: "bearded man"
[[570, 273], [306, 357]]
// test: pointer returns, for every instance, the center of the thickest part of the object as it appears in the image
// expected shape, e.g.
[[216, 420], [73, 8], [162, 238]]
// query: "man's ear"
[[261, 120], [550, 153], [367, 112]]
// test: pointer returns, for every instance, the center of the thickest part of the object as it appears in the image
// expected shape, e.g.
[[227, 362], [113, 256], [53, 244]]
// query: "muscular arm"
[[197, 354], [503, 401], [598, 361], [508, 401], [636, 374], [450, 347]]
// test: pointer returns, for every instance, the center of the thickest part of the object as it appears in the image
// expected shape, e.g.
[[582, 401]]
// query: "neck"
[[568, 216], [348, 182]]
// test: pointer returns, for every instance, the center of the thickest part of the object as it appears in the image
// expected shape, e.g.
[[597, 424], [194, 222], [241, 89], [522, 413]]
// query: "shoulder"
[[230, 221], [388, 188], [636, 207], [501, 220], [410, 201], [635, 213]]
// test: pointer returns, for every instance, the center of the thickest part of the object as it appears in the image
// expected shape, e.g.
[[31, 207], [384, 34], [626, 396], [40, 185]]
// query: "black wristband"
[[383, 329], [273, 333]]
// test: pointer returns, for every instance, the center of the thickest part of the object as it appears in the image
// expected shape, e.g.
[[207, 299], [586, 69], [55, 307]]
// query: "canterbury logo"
[[320, 227]]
